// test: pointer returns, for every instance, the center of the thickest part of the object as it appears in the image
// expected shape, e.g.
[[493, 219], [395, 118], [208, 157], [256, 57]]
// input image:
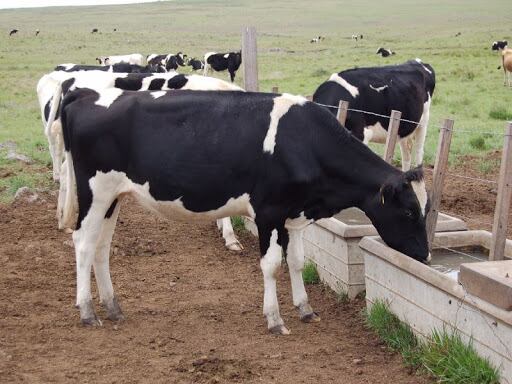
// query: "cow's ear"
[[387, 191]]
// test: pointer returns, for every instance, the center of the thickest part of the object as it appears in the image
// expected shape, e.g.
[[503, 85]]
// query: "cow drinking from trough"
[[406, 87], [223, 61], [280, 159]]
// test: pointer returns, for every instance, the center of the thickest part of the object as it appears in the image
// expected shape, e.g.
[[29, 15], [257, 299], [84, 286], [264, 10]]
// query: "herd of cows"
[[194, 147]]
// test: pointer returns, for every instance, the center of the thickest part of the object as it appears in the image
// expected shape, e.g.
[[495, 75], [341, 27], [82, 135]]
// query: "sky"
[[47, 3]]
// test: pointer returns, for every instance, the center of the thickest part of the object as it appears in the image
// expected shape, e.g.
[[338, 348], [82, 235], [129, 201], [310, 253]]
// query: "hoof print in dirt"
[[312, 317]]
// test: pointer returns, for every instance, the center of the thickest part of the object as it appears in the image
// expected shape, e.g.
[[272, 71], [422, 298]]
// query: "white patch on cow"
[[282, 104], [108, 96], [354, 91], [157, 94], [226, 55], [421, 193], [374, 133], [204, 83], [418, 60], [378, 89], [67, 66]]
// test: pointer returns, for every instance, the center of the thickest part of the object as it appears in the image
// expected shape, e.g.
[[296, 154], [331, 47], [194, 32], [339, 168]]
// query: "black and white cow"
[[499, 45], [357, 37], [13, 32], [52, 87], [317, 39], [189, 155], [170, 62], [37, 32], [133, 58], [195, 64], [385, 52], [405, 87], [223, 61], [116, 68]]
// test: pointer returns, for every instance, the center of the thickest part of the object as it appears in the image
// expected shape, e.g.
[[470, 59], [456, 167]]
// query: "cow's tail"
[[67, 202], [53, 131]]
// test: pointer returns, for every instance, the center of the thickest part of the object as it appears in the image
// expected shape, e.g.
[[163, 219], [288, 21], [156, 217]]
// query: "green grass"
[[442, 355], [452, 361], [238, 223], [310, 274], [468, 83]]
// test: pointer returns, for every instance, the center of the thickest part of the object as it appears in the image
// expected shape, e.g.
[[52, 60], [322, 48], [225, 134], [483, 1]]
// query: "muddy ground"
[[193, 308]]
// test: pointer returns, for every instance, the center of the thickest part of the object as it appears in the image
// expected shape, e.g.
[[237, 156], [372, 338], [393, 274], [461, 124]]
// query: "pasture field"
[[469, 85]]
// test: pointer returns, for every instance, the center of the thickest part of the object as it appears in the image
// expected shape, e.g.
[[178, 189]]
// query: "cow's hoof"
[[235, 246], [91, 322], [279, 330], [312, 317], [114, 312]]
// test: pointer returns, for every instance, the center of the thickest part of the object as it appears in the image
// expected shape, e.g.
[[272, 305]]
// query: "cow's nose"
[[428, 259]]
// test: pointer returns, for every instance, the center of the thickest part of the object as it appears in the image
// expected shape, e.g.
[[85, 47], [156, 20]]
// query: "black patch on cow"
[[132, 82], [67, 84], [177, 82], [110, 210], [47, 107], [156, 84]]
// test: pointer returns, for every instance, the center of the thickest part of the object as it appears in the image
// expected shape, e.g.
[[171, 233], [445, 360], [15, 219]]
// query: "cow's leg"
[[94, 200], [405, 149], [232, 76], [228, 234], [295, 260], [270, 263], [101, 264], [421, 134]]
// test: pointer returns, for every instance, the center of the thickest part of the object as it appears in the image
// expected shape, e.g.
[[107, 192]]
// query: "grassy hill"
[[469, 86]]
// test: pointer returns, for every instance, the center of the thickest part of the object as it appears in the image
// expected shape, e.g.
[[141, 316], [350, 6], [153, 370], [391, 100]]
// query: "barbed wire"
[[465, 177]]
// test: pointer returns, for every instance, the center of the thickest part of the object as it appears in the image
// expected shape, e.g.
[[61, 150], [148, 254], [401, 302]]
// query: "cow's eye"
[[408, 213]]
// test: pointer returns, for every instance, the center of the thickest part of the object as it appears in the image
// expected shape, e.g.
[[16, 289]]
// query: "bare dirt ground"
[[193, 312], [193, 308]]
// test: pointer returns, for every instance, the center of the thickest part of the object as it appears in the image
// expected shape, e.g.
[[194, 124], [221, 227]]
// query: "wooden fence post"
[[440, 167], [249, 59], [275, 89], [394, 124], [342, 112], [500, 224]]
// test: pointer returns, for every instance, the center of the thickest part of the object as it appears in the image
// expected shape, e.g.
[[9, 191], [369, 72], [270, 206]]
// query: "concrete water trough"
[[332, 244], [428, 297]]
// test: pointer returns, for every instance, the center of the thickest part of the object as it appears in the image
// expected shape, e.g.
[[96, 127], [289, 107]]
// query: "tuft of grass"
[[451, 361], [477, 142], [488, 166], [397, 335], [310, 274], [238, 223], [500, 113], [320, 72], [342, 296], [443, 355]]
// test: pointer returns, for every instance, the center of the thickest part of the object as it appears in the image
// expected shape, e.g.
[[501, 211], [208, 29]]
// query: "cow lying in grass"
[[192, 155]]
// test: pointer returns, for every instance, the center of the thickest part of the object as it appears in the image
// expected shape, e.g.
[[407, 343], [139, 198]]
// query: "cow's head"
[[398, 211], [181, 58], [99, 60]]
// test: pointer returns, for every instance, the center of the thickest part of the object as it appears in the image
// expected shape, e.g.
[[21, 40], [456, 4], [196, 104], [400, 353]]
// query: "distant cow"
[[167, 61], [134, 58], [499, 45], [195, 64], [13, 32], [385, 52], [357, 37], [94, 30], [317, 39], [223, 61], [117, 68], [406, 87], [37, 32], [506, 56]]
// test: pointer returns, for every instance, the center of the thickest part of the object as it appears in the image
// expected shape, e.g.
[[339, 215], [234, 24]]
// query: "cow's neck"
[[357, 176]]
